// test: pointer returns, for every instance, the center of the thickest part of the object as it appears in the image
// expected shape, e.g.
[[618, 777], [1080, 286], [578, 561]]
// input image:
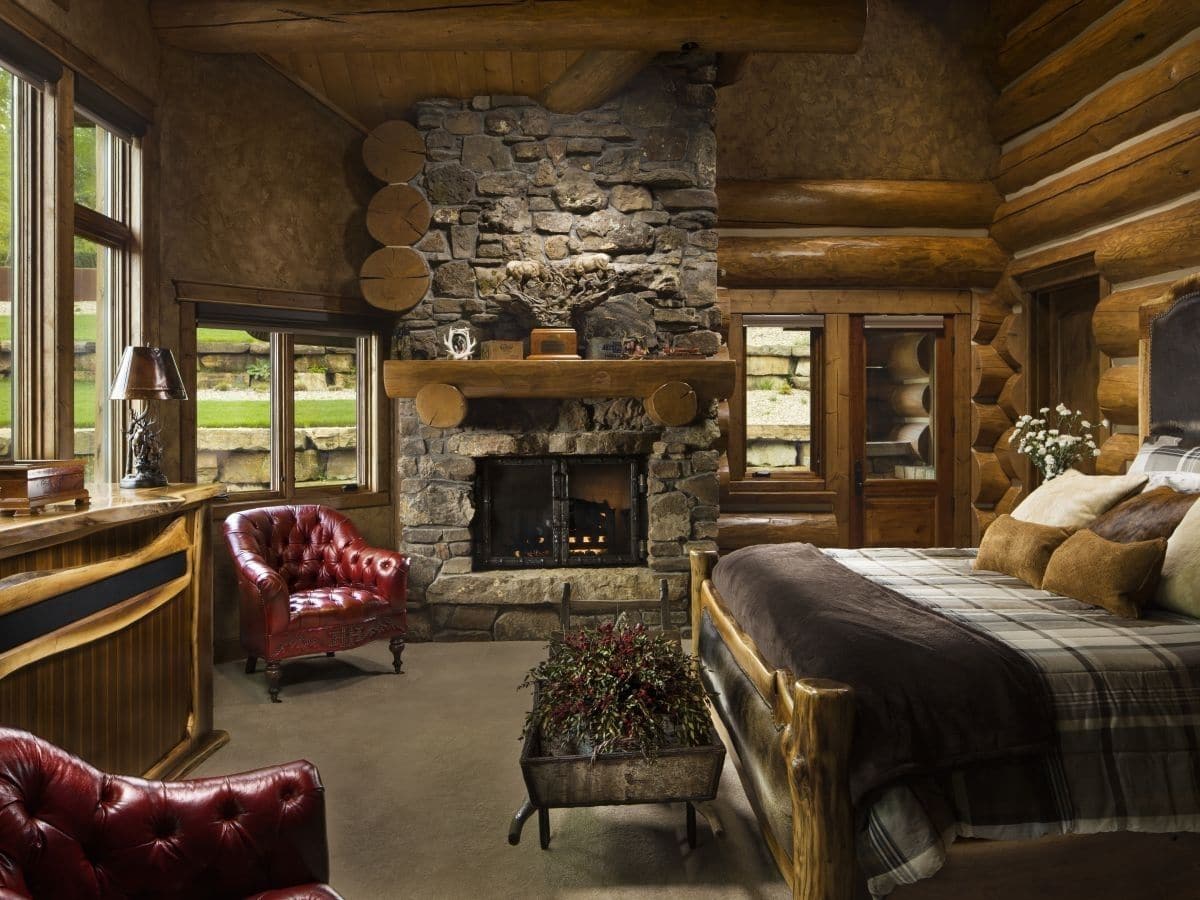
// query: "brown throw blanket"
[[930, 692]]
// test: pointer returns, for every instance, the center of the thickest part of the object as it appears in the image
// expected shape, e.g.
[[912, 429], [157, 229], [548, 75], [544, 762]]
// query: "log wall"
[[1098, 178]]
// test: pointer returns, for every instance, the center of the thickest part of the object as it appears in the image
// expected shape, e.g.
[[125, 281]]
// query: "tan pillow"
[[1179, 587], [1122, 578], [1151, 514], [1073, 500], [1019, 549]]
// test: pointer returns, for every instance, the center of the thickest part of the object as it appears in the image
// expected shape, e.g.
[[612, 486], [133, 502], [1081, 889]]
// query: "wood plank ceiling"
[[372, 87]]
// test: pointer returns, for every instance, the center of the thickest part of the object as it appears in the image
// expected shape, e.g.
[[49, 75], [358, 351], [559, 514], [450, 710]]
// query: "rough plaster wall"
[[116, 33], [912, 103], [260, 185]]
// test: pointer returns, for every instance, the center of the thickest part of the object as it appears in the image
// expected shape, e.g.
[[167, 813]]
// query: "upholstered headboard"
[[1171, 364]]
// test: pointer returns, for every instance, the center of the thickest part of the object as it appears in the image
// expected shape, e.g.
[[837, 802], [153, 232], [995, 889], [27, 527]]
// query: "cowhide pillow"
[[1143, 517]]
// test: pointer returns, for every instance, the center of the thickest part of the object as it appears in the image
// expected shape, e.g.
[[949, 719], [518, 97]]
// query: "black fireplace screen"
[[558, 511]]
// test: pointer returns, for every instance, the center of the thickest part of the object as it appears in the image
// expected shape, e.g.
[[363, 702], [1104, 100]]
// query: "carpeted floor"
[[422, 779]]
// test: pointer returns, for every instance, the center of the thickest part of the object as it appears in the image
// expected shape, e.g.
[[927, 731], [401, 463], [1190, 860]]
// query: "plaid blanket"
[[1126, 697]]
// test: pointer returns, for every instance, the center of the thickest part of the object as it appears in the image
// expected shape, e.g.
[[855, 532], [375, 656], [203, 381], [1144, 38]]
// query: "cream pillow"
[[1179, 587], [1073, 500]]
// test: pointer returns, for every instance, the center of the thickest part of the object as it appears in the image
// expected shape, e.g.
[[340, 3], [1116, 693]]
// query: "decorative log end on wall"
[[441, 406], [1115, 321], [1006, 453], [673, 404], [394, 278], [1118, 394], [398, 216], [988, 422], [1012, 397], [988, 477], [990, 372], [988, 312], [1116, 454], [394, 152]]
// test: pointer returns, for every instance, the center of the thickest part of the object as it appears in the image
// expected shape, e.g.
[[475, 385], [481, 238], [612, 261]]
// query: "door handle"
[[859, 484]]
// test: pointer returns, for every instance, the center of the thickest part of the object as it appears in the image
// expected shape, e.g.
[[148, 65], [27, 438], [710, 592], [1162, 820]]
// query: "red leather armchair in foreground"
[[68, 830], [310, 584]]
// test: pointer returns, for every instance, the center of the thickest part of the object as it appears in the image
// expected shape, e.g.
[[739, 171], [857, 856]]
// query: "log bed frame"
[[813, 722]]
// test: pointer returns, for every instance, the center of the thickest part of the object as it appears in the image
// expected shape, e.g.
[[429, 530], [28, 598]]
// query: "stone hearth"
[[509, 180]]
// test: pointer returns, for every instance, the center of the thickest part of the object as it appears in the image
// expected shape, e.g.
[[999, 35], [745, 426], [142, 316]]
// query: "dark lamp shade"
[[148, 373]]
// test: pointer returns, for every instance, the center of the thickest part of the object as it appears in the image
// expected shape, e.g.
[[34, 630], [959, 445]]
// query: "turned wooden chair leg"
[[274, 677], [251, 662], [396, 645]]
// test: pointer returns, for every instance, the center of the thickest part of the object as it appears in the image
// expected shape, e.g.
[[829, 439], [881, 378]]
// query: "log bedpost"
[[818, 751], [700, 564]]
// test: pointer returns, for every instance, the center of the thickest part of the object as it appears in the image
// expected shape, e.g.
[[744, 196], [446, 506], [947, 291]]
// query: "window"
[[776, 420], [283, 411], [103, 250], [17, 102]]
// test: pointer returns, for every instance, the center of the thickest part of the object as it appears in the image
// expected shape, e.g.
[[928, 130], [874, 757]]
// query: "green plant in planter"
[[618, 687]]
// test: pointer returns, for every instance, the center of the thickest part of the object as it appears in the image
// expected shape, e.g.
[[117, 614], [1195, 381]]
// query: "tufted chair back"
[[68, 830], [309, 546]]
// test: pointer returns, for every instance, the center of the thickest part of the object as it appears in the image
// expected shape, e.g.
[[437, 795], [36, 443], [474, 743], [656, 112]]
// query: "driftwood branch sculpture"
[[553, 295]]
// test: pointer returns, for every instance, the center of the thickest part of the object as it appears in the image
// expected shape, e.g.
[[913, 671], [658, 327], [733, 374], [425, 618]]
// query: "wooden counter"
[[106, 628]]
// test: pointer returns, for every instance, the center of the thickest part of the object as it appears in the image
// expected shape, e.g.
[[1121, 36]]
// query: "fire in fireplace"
[[543, 512]]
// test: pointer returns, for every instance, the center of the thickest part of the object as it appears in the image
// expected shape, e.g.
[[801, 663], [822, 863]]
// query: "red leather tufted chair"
[[68, 830], [310, 584]]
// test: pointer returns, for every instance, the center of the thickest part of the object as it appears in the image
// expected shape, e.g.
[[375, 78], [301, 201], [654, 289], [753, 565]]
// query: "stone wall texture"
[[510, 180]]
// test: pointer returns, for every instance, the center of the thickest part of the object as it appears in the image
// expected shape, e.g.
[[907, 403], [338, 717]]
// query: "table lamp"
[[146, 373]]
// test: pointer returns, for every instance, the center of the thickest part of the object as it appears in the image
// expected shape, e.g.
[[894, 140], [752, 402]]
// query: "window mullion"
[[283, 413]]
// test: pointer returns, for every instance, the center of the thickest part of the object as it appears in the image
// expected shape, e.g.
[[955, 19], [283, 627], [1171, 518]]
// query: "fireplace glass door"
[[558, 511]]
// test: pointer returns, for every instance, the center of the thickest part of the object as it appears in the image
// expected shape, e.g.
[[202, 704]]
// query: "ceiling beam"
[[262, 26], [593, 78]]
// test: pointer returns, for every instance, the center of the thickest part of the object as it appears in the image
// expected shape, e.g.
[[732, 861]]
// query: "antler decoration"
[[459, 343], [552, 295]]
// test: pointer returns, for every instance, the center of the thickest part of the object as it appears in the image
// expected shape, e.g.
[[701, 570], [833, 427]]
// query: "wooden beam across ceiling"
[[262, 26], [593, 78]]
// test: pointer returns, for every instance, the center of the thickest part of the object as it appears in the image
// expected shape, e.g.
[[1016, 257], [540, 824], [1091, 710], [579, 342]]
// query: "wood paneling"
[[1135, 32], [253, 26], [871, 203], [860, 261], [1140, 176], [120, 702], [1159, 243], [128, 688], [1117, 113], [1050, 26]]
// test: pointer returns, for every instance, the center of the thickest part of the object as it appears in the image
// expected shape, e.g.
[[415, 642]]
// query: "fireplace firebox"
[[547, 512]]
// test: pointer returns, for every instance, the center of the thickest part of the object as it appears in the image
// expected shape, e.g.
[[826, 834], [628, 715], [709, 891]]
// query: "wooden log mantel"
[[428, 380]]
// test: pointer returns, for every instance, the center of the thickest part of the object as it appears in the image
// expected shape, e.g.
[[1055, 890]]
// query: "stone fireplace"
[[509, 180], [546, 512]]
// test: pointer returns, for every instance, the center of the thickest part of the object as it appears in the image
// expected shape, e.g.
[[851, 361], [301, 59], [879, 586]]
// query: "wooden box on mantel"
[[28, 485]]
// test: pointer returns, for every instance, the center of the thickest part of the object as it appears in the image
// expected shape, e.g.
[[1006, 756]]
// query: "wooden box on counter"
[[28, 485]]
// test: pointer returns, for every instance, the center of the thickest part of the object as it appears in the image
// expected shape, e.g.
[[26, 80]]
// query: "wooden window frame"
[[372, 421], [798, 479], [116, 233]]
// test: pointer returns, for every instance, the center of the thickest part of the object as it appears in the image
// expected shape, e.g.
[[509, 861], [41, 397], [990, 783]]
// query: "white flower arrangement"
[[1056, 440]]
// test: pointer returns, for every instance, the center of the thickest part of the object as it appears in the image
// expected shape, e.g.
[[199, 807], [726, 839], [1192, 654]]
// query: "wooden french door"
[[901, 431]]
